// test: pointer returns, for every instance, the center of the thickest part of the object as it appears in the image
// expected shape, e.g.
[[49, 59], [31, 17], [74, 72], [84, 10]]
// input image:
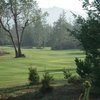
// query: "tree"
[[88, 33], [47, 35], [17, 13], [61, 38], [40, 34], [28, 38]]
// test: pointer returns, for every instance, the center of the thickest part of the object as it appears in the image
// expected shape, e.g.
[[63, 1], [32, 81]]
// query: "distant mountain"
[[55, 12]]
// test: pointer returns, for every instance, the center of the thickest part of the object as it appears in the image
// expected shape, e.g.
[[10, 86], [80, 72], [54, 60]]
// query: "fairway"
[[14, 71]]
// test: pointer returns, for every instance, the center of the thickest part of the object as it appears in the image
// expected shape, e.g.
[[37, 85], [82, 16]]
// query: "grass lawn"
[[14, 71]]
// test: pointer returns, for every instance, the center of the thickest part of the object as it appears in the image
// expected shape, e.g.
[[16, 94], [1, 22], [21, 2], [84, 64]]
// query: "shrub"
[[33, 76], [89, 68], [47, 79], [66, 73], [75, 79], [84, 68]]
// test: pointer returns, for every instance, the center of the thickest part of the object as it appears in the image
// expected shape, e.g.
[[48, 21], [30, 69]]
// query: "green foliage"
[[28, 38], [74, 79], [88, 33], [33, 76], [90, 68], [61, 38], [66, 73], [46, 81], [84, 68]]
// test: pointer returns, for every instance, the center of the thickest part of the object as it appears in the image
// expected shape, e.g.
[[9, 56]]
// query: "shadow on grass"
[[60, 92], [65, 92], [13, 89]]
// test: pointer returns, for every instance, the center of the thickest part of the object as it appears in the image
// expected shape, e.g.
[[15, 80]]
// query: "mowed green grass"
[[14, 71]]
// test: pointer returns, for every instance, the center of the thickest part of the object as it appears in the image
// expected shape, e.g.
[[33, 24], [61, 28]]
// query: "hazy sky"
[[75, 5]]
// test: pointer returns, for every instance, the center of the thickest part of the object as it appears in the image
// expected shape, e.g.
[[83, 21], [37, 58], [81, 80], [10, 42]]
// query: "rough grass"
[[14, 71]]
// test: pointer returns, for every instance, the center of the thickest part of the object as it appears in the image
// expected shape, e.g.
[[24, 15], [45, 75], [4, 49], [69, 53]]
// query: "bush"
[[84, 68], [66, 73], [46, 81], [89, 68], [75, 79], [33, 76]]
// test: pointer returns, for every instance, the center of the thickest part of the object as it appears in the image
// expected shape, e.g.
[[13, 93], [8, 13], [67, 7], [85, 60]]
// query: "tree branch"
[[10, 35], [23, 28], [25, 25], [4, 26]]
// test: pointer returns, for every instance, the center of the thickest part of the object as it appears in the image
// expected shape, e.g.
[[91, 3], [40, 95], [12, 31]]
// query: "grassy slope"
[[15, 71]]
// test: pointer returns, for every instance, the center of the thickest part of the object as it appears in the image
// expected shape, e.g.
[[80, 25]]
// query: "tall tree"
[[38, 33], [17, 13], [28, 38], [39, 30], [88, 33], [61, 38], [47, 35]]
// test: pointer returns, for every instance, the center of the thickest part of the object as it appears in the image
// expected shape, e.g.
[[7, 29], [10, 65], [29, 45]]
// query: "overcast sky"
[[75, 5]]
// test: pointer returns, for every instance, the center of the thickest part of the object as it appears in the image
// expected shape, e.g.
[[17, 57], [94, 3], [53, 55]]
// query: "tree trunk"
[[18, 53]]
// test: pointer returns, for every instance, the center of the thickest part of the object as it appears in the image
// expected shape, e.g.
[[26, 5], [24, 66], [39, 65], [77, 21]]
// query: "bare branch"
[[4, 26], [10, 35], [27, 23], [23, 28]]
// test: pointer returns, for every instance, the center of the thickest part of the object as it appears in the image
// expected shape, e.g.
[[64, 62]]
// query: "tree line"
[[22, 24]]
